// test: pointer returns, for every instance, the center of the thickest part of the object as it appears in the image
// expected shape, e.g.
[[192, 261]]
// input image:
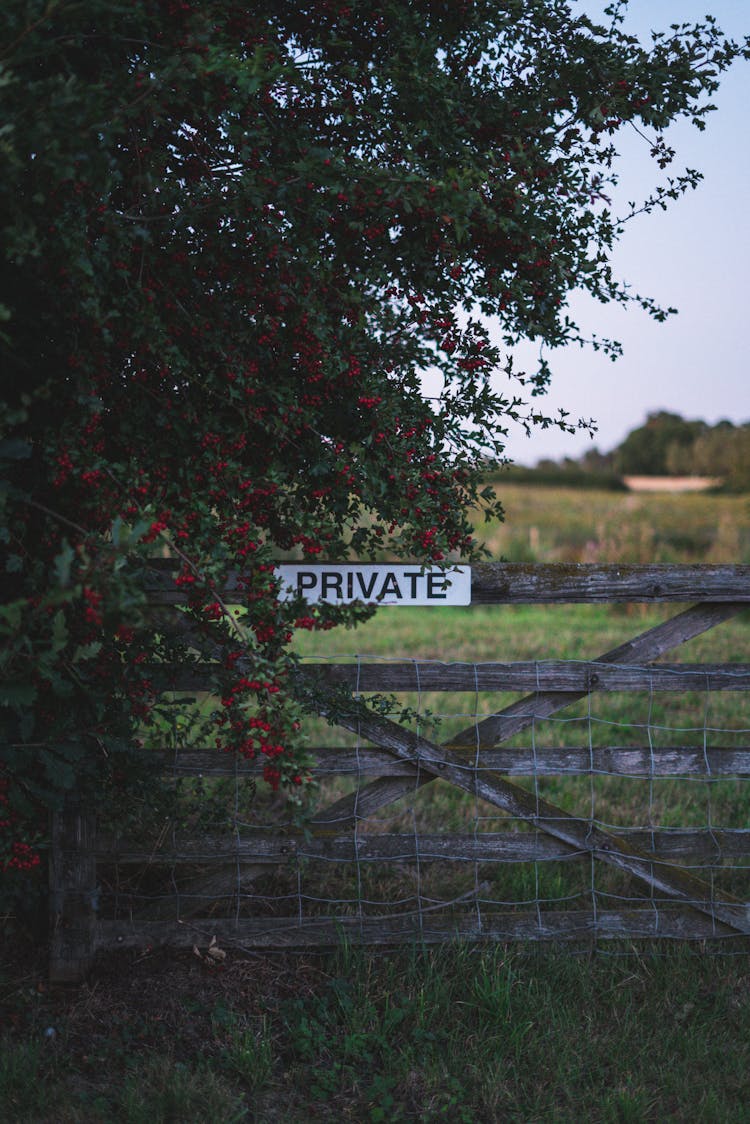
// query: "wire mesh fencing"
[[623, 813], [543, 800]]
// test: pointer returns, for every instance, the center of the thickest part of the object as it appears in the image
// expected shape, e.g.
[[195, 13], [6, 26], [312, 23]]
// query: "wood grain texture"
[[502, 583], [531, 675], [287, 932], [508, 583], [73, 892], [709, 847], [524, 761], [419, 676]]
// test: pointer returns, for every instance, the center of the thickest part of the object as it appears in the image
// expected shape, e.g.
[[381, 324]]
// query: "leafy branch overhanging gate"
[[676, 902]]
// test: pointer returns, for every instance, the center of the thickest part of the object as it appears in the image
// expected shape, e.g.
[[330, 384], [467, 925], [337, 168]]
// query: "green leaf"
[[17, 694], [59, 632], [11, 616], [58, 772], [63, 562]]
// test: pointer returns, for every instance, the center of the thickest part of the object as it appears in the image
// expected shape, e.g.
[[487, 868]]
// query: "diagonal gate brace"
[[579, 835], [431, 762], [523, 713]]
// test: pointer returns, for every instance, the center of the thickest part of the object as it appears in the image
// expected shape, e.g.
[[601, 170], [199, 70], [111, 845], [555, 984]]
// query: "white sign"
[[387, 585]]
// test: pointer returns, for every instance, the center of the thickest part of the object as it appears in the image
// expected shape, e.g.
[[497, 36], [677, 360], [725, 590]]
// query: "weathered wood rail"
[[627, 761], [492, 846], [509, 583], [553, 675], [393, 762]]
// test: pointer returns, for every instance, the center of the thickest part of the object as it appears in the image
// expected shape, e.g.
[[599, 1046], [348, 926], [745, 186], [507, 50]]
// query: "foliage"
[[648, 448], [669, 445], [722, 450], [235, 236], [565, 475], [665, 445]]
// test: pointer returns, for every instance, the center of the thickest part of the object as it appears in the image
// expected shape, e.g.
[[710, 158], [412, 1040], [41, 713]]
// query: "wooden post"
[[73, 892]]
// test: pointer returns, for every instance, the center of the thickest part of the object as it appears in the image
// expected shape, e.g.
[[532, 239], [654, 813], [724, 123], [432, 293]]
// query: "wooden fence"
[[210, 888]]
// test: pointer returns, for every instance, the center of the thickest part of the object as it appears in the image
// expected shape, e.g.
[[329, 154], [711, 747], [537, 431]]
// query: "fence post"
[[73, 892]]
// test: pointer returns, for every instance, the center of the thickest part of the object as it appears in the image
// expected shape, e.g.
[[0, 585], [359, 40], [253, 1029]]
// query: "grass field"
[[617, 1032], [547, 524]]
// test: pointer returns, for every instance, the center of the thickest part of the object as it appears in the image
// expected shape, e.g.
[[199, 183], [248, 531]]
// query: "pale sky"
[[695, 257]]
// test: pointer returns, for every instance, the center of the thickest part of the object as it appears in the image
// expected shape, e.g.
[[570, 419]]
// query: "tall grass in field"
[[548, 524]]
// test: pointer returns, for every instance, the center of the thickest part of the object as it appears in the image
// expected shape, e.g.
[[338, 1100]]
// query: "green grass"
[[454, 1034], [572, 525]]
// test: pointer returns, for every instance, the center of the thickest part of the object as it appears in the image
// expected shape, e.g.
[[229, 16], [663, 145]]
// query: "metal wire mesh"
[[651, 786]]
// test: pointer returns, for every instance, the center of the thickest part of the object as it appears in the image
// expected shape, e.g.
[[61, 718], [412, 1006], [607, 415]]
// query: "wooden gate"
[[391, 763]]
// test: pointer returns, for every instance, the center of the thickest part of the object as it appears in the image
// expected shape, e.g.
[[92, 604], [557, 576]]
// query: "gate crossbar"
[[431, 762]]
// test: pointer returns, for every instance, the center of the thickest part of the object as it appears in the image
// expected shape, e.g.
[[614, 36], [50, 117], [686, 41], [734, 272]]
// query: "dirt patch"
[[153, 992]]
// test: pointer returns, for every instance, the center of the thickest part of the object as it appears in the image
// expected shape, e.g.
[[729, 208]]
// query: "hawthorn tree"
[[235, 236]]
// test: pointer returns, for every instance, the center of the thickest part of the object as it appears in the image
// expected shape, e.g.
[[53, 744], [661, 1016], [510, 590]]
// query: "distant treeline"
[[665, 445], [568, 474]]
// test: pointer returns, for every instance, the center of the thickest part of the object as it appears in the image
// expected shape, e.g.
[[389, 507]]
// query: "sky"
[[695, 257]]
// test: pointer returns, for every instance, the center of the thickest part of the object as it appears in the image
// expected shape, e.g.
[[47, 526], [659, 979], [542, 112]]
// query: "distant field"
[[547, 524]]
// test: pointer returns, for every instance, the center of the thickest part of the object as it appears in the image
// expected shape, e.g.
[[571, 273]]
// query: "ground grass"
[[455, 1034], [460, 1033]]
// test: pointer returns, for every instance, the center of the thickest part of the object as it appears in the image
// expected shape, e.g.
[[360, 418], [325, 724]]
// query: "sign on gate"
[[386, 584]]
